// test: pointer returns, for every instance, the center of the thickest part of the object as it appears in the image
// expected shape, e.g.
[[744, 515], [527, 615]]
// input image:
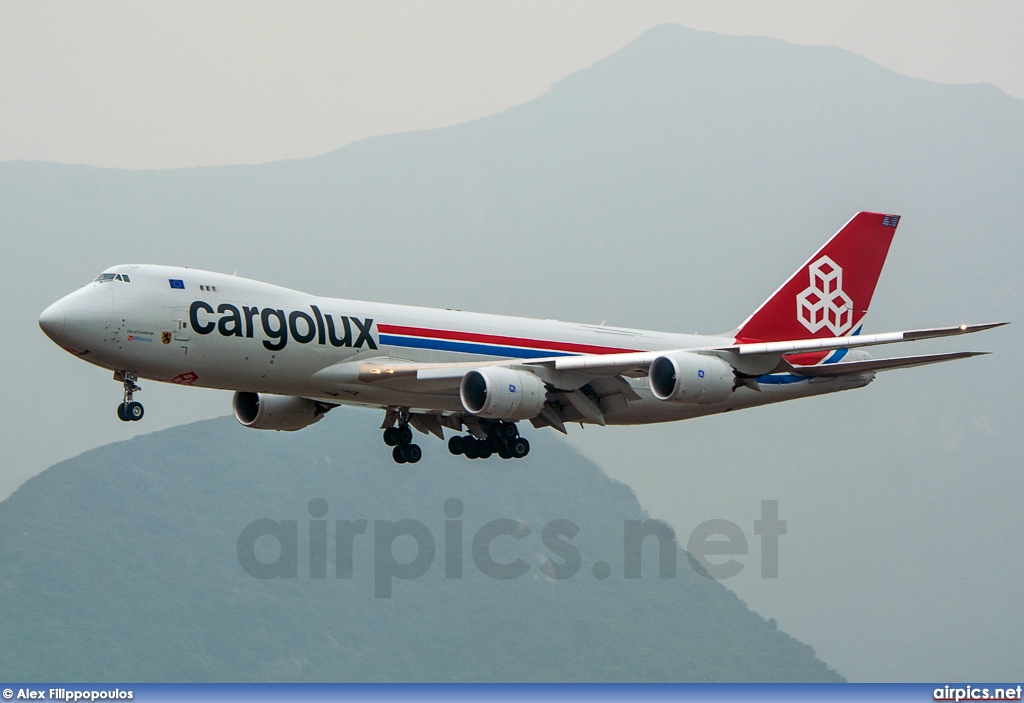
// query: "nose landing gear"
[[129, 410]]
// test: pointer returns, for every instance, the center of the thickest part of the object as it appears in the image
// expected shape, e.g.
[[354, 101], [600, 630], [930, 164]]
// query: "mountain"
[[673, 185], [131, 563]]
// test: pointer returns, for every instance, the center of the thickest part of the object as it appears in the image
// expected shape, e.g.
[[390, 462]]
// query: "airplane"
[[290, 357]]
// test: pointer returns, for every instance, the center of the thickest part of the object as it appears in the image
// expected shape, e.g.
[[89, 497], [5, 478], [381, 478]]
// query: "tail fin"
[[828, 295]]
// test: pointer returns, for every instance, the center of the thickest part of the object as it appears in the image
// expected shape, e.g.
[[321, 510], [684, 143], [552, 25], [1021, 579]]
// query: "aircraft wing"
[[757, 357]]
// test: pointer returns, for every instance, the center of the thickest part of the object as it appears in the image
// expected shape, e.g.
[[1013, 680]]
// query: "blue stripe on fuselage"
[[467, 347], [780, 379]]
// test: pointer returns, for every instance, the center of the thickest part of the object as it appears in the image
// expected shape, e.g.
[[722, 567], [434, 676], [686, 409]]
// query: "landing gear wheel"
[[520, 447], [122, 414], [455, 445], [399, 436], [470, 447], [508, 431], [134, 411], [413, 453], [485, 450], [505, 452]]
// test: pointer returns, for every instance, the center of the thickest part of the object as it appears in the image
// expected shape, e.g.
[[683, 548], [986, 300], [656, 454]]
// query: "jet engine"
[[502, 394], [263, 411], [685, 377]]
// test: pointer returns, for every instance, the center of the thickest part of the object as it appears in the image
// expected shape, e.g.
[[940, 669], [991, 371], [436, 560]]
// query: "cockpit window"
[[104, 277]]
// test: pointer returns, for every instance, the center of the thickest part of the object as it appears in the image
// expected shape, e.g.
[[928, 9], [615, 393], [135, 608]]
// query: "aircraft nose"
[[52, 321]]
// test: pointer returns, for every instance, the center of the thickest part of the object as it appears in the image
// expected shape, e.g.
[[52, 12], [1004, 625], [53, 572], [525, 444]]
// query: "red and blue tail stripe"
[[485, 344], [807, 359]]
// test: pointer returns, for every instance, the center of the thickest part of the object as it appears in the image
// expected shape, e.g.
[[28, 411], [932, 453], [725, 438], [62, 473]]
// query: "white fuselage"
[[219, 331]]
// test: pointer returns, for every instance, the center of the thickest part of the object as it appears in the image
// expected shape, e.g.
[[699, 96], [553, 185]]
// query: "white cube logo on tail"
[[823, 303]]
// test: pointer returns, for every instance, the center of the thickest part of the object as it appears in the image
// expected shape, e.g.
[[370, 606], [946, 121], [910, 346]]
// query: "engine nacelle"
[[263, 411], [690, 378], [502, 394]]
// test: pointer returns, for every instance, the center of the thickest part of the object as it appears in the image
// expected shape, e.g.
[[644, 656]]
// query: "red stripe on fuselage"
[[500, 339], [806, 358]]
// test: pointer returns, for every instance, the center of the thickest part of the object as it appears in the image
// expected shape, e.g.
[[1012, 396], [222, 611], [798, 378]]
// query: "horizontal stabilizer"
[[872, 365], [866, 340]]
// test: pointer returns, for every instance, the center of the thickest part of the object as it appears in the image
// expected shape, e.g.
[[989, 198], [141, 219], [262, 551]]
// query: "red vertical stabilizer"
[[828, 295]]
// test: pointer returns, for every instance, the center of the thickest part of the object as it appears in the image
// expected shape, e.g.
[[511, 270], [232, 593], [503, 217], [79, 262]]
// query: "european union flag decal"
[[177, 283]]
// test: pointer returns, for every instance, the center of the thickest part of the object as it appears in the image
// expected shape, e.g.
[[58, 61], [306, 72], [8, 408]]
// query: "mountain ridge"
[[125, 558]]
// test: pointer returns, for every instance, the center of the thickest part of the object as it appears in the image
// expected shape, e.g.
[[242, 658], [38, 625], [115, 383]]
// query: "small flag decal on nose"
[[177, 283]]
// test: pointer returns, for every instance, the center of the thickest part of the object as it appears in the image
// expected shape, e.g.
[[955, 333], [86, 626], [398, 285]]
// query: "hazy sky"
[[159, 84]]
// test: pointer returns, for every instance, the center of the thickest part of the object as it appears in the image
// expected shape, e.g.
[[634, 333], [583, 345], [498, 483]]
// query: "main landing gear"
[[401, 439], [502, 439], [498, 437], [130, 410]]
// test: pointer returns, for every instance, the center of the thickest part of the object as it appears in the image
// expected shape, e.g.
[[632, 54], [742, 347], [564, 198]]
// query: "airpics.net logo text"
[[269, 549]]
